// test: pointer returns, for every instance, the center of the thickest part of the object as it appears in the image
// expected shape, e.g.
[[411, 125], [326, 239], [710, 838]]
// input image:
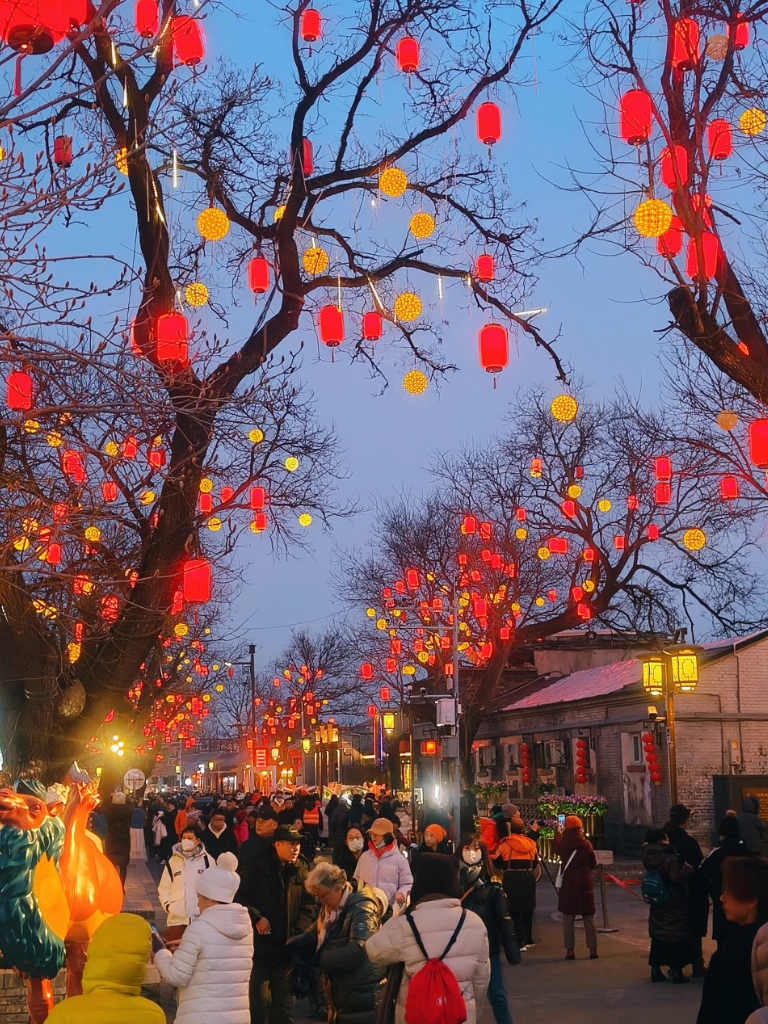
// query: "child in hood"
[[212, 965], [113, 976]]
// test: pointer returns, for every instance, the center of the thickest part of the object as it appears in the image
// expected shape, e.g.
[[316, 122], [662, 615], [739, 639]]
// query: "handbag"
[[561, 871], [388, 1001]]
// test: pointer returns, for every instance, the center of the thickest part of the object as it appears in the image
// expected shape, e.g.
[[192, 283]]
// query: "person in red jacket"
[[577, 893]]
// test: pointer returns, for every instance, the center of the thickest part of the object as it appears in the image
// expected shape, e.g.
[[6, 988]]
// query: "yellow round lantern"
[[219, 688], [196, 294], [727, 419], [92, 533], [694, 539], [315, 260], [206, 485], [112, 448], [31, 426], [213, 224], [305, 519], [255, 526], [540, 602], [588, 586], [214, 524], [564, 408], [393, 182], [407, 307], [421, 225], [278, 214], [574, 491], [415, 382], [717, 47], [543, 553], [291, 463], [54, 439], [181, 629], [255, 436], [121, 160], [147, 497], [521, 533], [752, 121], [604, 505], [653, 217]]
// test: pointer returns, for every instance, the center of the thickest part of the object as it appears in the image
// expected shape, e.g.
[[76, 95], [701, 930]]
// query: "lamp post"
[[674, 669]]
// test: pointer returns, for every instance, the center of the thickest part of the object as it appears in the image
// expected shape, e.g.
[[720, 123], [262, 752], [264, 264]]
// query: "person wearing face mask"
[[486, 898], [383, 866], [177, 889], [434, 840], [347, 855]]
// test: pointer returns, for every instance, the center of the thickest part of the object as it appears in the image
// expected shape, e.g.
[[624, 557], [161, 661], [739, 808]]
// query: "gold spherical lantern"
[[393, 182], [753, 121], [727, 419], [147, 497], [564, 408], [278, 214], [717, 47], [181, 629], [255, 436], [407, 307], [305, 519], [213, 224], [521, 533], [574, 491], [206, 485], [604, 505], [653, 217], [121, 160], [543, 553], [196, 294], [421, 225], [92, 533], [415, 382], [315, 260], [291, 463], [694, 539], [214, 524]]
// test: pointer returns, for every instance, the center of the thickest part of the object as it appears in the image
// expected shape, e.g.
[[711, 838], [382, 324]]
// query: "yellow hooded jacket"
[[117, 958]]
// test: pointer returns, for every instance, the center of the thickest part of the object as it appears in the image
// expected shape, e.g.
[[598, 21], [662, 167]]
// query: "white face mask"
[[355, 845], [471, 856], [380, 841], [188, 844]]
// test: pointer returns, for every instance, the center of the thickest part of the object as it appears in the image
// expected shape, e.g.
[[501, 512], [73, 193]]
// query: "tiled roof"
[[590, 682]]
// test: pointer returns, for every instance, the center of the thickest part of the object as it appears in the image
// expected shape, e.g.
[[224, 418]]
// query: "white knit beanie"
[[221, 882]]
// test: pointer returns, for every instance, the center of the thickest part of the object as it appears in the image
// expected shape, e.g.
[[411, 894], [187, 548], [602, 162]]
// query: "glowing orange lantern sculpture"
[[19, 391], [710, 245], [685, 44], [719, 140], [494, 348], [310, 25], [331, 326], [668, 161], [635, 116], [408, 54], [146, 18], [187, 40], [758, 443], [258, 275], [488, 123], [172, 338], [372, 326], [197, 580]]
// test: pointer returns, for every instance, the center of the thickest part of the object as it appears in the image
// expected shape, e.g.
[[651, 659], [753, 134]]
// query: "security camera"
[[423, 691], [653, 714]]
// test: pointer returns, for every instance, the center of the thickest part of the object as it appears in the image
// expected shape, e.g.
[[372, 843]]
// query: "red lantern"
[[428, 747], [758, 443], [187, 40], [740, 33], [371, 710], [366, 671], [653, 531], [677, 157], [710, 245], [685, 44], [488, 123], [372, 326], [258, 275], [568, 508], [257, 498], [197, 580], [156, 457], [331, 325], [146, 18], [384, 693], [662, 468], [62, 151], [719, 140], [412, 578], [172, 337], [635, 116], [589, 554], [307, 158], [19, 391], [53, 554], [109, 490], [72, 465], [408, 54], [671, 242], [662, 493], [310, 25], [703, 210], [484, 268], [33, 26], [729, 488], [494, 348]]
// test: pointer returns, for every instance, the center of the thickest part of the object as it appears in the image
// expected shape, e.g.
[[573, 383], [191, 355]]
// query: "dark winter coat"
[[488, 902], [752, 828], [345, 859], [352, 983], [338, 822], [216, 845], [117, 843], [710, 876], [577, 895], [689, 852], [728, 996], [670, 922], [519, 884], [686, 847], [276, 891]]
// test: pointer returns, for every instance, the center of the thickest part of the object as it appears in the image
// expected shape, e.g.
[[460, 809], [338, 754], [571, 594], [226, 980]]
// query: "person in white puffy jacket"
[[436, 909], [212, 965], [177, 889], [383, 866]]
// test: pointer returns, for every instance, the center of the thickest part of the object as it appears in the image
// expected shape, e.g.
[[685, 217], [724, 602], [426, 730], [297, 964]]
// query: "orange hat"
[[381, 826], [437, 831], [573, 821]]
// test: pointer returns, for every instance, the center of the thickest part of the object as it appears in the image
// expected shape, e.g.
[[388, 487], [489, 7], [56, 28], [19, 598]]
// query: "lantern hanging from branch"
[[197, 580], [740, 33], [310, 25], [258, 275], [671, 242], [172, 339], [146, 18], [653, 217], [729, 488], [408, 54], [758, 443], [19, 391], [635, 117], [392, 182], [213, 224], [488, 123], [685, 44], [673, 160], [494, 348], [331, 325], [62, 150], [187, 37], [719, 140], [484, 268], [710, 245], [372, 326]]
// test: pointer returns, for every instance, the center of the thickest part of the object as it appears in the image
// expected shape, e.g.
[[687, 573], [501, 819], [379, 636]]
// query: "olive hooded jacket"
[[113, 976]]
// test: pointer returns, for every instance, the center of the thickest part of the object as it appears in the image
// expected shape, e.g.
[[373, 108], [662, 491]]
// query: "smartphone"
[[561, 820]]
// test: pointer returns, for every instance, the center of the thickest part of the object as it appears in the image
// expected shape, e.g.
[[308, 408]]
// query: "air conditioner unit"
[[513, 754], [489, 756], [555, 753]]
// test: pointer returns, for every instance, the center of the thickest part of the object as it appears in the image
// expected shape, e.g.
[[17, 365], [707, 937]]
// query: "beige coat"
[[436, 921], [760, 975]]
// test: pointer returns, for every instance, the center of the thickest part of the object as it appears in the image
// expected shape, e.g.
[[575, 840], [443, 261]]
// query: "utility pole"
[[454, 685], [252, 663], [671, 743]]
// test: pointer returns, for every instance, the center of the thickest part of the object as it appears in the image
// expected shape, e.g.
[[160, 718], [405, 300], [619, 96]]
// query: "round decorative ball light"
[[752, 121], [574, 491], [147, 497], [196, 294], [92, 533], [213, 224], [278, 214], [421, 225], [521, 533], [653, 217], [181, 629], [291, 463], [393, 182], [305, 519], [717, 47], [121, 160], [694, 539], [112, 448], [214, 524], [564, 408], [407, 307], [543, 553], [415, 382], [255, 436], [206, 485], [315, 260], [727, 419]]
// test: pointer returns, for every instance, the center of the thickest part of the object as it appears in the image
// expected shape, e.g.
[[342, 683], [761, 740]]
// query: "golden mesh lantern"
[[415, 382], [291, 463], [256, 436], [752, 121], [604, 505], [407, 307], [421, 225], [213, 224], [694, 539], [278, 214], [684, 663], [315, 260], [305, 519], [121, 160], [717, 47], [196, 294], [393, 182], [727, 419], [653, 676], [653, 217], [564, 408]]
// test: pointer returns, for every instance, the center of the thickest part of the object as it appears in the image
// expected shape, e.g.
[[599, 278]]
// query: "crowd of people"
[[255, 919]]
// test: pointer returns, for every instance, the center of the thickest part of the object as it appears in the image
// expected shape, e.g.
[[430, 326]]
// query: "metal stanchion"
[[604, 857]]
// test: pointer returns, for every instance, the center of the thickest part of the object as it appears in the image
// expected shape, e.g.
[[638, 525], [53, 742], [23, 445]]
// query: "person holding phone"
[[574, 881]]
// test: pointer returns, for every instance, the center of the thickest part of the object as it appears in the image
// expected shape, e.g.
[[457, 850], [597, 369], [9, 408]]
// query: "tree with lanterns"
[[141, 433], [575, 517]]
